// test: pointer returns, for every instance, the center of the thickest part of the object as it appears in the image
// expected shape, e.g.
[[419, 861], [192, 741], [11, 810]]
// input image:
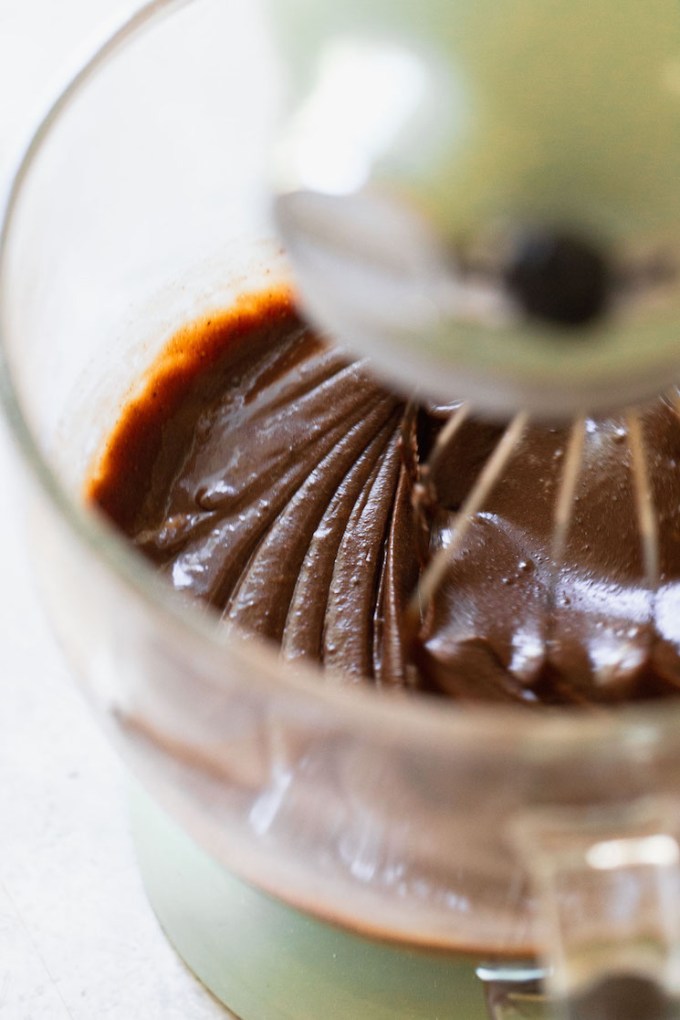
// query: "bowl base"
[[267, 961]]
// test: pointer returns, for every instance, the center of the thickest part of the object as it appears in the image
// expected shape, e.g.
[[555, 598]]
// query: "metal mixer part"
[[485, 202], [484, 199], [535, 319]]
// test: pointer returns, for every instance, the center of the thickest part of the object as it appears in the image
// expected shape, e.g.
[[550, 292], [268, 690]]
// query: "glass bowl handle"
[[606, 880]]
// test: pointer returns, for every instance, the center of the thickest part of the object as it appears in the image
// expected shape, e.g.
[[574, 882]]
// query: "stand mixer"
[[485, 201]]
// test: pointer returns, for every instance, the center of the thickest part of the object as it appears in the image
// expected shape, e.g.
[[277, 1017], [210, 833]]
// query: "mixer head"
[[485, 197]]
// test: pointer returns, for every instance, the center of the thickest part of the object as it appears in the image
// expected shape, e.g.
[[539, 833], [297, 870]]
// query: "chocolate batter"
[[267, 475]]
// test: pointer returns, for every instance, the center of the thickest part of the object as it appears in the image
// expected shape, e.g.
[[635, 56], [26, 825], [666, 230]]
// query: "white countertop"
[[77, 938]]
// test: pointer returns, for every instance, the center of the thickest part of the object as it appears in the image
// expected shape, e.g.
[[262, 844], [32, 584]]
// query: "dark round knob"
[[559, 278]]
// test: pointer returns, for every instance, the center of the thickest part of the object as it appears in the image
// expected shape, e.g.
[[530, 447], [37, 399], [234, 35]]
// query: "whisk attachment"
[[610, 638]]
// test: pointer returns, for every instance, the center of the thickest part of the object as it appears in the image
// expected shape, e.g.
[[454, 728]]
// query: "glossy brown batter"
[[267, 475]]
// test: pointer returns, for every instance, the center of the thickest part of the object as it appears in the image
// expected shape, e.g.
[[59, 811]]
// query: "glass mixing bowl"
[[427, 834]]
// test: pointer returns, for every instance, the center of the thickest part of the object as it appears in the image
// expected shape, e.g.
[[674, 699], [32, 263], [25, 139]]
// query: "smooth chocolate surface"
[[267, 475]]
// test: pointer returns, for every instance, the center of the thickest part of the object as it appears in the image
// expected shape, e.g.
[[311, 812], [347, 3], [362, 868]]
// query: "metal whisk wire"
[[446, 436], [644, 500], [564, 504], [434, 573], [562, 520]]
